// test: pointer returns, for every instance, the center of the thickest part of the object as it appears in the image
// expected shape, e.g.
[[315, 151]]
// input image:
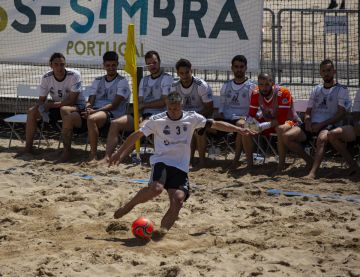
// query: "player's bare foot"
[[159, 234], [119, 213], [25, 151], [234, 164], [65, 157], [92, 157], [354, 169], [310, 176]]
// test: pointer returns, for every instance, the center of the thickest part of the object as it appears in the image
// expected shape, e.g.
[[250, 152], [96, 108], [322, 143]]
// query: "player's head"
[[327, 70], [57, 63], [152, 61], [183, 69], [265, 84], [174, 105], [239, 66], [111, 62]]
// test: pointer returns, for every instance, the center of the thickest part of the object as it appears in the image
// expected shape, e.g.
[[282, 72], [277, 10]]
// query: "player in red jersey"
[[271, 106]]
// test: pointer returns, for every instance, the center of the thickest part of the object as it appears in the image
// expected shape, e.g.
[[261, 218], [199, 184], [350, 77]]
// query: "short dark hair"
[[327, 61], [56, 55], [110, 56], [150, 53], [239, 58], [265, 76], [183, 63]]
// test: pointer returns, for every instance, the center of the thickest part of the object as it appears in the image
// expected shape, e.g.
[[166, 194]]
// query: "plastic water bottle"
[[135, 159], [258, 159]]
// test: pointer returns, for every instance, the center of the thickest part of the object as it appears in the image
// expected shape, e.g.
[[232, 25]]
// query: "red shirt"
[[270, 109]]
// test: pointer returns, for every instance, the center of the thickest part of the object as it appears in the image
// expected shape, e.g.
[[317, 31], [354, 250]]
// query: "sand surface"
[[54, 222]]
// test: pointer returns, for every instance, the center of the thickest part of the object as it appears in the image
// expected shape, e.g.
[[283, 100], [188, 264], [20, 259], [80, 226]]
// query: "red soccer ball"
[[142, 228]]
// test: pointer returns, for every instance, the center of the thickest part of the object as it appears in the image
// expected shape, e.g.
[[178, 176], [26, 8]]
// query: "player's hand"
[[316, 127], [115, 159], [308, 127]]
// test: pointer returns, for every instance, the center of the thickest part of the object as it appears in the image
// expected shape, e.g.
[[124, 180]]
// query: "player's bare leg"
[[338, 138], [142, 196], [319, 153], [94, 123], [176, 198], [281, 147], [201, 147], [248, 148], [292, 139], [126, 123], [71, 118], [31, 126]]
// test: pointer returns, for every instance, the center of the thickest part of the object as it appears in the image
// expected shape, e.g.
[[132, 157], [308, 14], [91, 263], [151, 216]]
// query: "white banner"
[[207, 32]]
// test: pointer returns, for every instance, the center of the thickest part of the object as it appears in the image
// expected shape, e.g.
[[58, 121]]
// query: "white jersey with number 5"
[[60, 89], [172, 138]]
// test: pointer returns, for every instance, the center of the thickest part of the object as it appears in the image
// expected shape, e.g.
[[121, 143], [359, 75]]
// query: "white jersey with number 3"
[[172, 138]]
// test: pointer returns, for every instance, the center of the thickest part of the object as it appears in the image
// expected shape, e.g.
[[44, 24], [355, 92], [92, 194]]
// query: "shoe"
[[333, 5], [342, 5]]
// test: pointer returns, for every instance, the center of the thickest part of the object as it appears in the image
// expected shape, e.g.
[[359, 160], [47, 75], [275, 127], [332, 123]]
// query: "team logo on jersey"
[[184, 128], [166, 142], [330, 99], [188, 101], [166, 130], [228, 94], [285, 101], [124, 90], [323, 104], [156, 87], [244, 95], [52, 90]]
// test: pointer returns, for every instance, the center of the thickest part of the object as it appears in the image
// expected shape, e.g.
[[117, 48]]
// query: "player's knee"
[[32, 111], [157, 188], [91, 119], [322, 139]]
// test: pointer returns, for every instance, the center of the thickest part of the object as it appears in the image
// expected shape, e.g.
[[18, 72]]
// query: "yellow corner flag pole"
[[130, 67]]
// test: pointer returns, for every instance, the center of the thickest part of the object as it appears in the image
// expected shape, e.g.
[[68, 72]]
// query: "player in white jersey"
[[327, 107], [152, 93], [235, 97], [339, 137], [64, 87], [197, 96], [173, 131], [108, 100]]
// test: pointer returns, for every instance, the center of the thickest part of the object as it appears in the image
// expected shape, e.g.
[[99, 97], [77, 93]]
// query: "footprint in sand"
[[116, 226]]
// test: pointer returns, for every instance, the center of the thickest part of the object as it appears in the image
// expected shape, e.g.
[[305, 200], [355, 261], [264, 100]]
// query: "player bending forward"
[[172, 132]]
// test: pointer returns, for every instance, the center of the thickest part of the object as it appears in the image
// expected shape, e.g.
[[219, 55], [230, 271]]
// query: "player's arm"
[[340, 114], [254, 103], [222, 100], [159, 103], [117, 157], [208, 109], [225, 127], [42, 100], [69, 101]]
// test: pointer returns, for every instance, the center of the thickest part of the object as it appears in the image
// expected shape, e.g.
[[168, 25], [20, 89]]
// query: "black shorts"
[[171, 177], [310, 135], [146, 116], [103, 129], [54, 115]]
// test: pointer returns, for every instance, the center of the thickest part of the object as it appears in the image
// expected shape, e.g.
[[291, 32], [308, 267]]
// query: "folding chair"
[[23, 92]]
